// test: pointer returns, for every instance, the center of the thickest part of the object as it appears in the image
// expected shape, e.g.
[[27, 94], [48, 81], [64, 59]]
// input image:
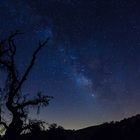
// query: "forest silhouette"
[[127, 129]]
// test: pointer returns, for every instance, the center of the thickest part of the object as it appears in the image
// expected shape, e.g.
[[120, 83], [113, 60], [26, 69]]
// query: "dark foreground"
[[127, 129]]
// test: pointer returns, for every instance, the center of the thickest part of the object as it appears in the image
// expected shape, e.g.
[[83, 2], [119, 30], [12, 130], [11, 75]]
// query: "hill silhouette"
[[126, 129]]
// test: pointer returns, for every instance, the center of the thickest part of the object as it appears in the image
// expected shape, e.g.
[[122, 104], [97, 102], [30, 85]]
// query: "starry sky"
[[91, 64]]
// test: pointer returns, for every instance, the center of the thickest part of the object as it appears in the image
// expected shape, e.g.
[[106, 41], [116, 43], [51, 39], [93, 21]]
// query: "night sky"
[[91, 64]]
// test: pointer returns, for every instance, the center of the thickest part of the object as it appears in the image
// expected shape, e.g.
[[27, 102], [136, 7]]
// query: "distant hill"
[[127, 129]]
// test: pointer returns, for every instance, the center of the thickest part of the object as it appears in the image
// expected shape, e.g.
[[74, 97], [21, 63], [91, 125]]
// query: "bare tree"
[[11, 96]]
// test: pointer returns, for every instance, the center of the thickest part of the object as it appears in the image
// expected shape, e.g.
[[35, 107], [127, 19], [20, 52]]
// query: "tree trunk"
[[14, 130]]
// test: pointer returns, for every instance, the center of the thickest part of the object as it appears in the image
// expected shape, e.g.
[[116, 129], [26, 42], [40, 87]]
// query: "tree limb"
[[31, 64], [44, 100]]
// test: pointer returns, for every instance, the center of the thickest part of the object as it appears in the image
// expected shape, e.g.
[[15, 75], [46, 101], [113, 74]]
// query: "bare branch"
[[13, 34], [44, 100], [31, 63], [8, 50], [4, 63]]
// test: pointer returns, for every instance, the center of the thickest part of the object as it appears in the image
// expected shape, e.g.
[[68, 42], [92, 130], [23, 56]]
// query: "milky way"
[[91, 65]]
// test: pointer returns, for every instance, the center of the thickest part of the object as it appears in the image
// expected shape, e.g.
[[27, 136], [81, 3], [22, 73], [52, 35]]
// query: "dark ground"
[[127, 129]]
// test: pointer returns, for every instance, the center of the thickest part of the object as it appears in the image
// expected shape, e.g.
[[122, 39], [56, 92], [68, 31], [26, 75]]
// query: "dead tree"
[[11, 95]]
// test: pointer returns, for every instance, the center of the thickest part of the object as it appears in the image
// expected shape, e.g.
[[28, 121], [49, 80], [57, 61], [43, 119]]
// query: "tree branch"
[[44, 100], [5, 64], [31, 64]]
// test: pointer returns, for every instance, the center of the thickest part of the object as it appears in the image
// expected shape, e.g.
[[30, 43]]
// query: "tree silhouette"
[[11, 96]]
